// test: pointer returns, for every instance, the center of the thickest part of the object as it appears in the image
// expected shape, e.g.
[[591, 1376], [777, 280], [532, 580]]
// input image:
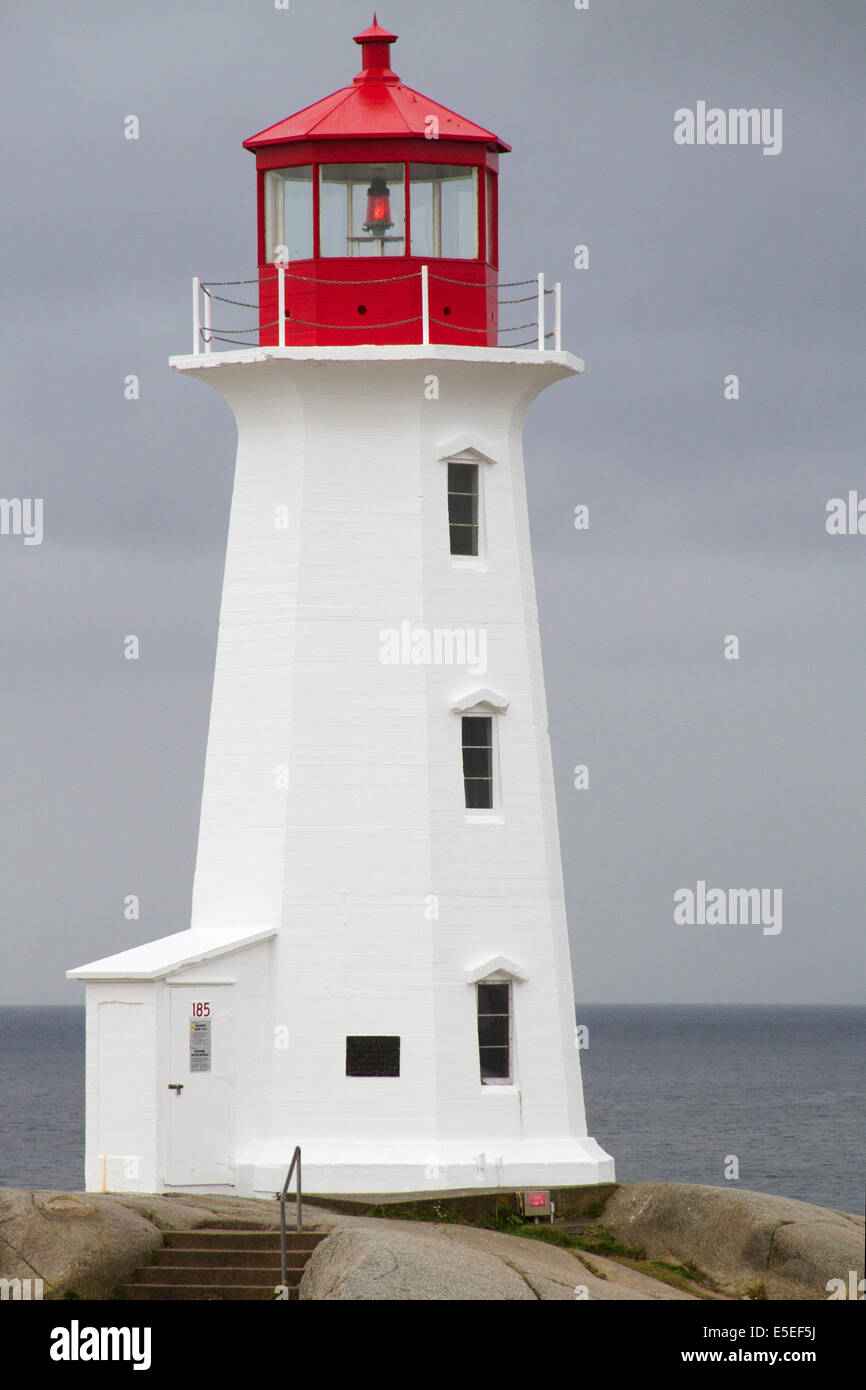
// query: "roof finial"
[[375, 53]]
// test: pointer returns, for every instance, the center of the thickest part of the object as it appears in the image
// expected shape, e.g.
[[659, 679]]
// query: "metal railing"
[[204, 295], [296, 1162]]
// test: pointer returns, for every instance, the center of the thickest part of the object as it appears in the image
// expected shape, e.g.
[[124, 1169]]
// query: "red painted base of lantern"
[[379, 301]]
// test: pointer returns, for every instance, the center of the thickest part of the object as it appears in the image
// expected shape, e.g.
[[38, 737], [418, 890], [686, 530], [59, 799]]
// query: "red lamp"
[[378, 207]]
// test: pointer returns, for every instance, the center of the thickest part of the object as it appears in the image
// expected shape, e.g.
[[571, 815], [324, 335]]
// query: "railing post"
[[425, 306], [207, 322], [281, 304], [296, 1160], [541, 311], [196, 321], [283, 1237], [300, 1208], [557, 323]]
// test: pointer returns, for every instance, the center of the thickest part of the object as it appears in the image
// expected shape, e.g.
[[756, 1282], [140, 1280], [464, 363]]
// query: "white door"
[[199, 1097]]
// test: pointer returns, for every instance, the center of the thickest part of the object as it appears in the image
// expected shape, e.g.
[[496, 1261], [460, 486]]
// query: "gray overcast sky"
[[707, 516]]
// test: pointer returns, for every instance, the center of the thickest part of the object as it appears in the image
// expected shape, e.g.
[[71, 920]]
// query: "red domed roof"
[[377, 106]]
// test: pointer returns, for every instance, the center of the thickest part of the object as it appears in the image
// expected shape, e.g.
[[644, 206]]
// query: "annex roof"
[[154, 959]]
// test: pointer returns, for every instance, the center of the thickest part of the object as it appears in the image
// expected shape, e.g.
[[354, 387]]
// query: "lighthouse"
[[377, 965]]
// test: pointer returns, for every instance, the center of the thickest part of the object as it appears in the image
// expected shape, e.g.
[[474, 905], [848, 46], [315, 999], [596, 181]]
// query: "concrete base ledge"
[[462, 1204]]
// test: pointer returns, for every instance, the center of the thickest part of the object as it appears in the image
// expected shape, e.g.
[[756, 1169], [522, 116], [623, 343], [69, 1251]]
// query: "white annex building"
[[377, 967]]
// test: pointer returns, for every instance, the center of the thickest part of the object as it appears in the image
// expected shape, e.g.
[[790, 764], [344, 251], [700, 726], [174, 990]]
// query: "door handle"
[[175, 1086]]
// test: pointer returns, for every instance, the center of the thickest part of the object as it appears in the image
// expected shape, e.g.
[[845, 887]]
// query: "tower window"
[[478, 761], [372, 1056], [463, 508], [494, 1033]]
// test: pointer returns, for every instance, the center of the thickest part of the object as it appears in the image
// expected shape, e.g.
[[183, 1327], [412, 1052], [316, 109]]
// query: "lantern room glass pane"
[[444, 203], [492, 255], [362, 210], [289, 212]]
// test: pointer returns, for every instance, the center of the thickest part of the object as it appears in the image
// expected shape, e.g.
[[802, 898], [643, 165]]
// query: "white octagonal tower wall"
[[333, 805]]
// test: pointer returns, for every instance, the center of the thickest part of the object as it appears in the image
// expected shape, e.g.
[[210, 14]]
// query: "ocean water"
[[671, 1091], [42, 1098]]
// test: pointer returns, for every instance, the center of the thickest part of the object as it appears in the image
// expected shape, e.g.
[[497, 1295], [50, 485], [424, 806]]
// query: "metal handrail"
[[204, 333], [296, 1160]]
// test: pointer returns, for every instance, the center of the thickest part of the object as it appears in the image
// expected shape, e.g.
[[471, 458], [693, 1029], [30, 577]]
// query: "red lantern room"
[[356, 194]]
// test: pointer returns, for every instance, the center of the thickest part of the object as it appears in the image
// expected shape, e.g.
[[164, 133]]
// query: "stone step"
[[241, 1240], [215, 1274], [172, 1257], [219, 1264], [261, 1293]]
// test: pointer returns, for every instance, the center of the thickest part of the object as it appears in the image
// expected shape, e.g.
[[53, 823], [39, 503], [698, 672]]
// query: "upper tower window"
[[463, 508], [362, 210], [289, 213], [444, 201]]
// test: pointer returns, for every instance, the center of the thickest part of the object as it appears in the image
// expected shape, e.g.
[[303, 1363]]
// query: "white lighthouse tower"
[[377, 967]]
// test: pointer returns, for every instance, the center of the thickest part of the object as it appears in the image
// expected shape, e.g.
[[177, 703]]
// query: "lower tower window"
[[494, 1033], [478, 761]]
